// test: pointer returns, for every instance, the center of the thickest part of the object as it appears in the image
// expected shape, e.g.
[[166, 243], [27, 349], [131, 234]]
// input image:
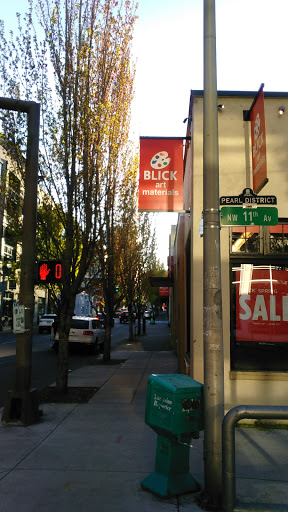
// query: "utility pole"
[[21, 407], [212, 296]]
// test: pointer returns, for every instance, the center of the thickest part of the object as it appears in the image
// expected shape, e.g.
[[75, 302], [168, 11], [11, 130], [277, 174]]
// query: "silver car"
[[45, 322]]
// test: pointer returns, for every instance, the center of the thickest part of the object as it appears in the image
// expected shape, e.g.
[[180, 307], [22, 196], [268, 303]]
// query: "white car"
[[85, 330], [45, 322]]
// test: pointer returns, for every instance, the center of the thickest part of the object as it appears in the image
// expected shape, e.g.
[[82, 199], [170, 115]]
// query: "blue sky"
[[252, 43]]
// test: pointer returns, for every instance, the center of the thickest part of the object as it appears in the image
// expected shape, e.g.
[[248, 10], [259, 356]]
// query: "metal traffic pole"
[[21, 405], [212, 296]]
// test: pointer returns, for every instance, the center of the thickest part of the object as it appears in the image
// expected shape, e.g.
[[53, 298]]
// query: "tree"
[[81, 73], [136, 247], [126, 240]]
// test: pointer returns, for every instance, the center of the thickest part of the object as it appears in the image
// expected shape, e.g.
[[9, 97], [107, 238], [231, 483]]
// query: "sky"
[[251, 42]]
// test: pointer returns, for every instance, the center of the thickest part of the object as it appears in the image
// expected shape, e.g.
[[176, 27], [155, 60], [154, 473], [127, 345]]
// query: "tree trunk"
[[107, 341], [107, 344], [63, 345], [63, 357], [131, 337], [139, 323]]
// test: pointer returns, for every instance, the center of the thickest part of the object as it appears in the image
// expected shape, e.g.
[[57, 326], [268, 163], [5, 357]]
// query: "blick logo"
[[160, 160]]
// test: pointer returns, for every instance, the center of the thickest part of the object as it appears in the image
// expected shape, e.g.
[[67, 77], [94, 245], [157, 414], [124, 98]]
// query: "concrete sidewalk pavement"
[[93, 457]]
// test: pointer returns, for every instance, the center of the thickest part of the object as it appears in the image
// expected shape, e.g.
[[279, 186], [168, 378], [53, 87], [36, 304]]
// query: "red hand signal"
[[44, 271]]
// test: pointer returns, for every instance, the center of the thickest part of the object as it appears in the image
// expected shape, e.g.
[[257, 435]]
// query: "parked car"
[[147, 313], [102, 318], [124, 316], [45, 322], [86, 331]]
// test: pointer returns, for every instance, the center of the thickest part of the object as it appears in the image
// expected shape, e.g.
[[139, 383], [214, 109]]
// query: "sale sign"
[[258, 140], [262, 310], [161, 174]]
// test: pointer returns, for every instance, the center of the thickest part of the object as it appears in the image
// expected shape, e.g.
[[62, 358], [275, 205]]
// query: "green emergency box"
[[174, 410]]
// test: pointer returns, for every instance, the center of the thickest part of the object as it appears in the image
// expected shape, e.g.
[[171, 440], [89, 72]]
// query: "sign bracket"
[[247, 113]]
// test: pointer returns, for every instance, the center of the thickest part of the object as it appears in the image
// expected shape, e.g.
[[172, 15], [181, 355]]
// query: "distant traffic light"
[[49, 271]]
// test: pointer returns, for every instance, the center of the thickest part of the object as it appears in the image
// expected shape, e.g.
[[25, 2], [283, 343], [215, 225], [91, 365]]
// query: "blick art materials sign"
[[161, 174]]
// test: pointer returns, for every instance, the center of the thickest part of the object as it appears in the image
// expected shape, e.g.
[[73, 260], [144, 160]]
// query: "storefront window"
[[259, 239], [259, 291], [278, 237], [259, 337]]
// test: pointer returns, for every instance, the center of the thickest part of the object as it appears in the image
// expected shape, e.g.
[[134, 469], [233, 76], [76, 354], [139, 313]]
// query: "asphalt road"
[[44, 358]]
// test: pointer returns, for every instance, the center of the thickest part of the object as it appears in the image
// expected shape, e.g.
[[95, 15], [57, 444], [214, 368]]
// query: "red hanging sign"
[[161, 175], [163, 291], [258, 140]]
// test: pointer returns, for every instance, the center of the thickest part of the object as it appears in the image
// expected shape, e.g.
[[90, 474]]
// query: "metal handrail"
[[228, 451]]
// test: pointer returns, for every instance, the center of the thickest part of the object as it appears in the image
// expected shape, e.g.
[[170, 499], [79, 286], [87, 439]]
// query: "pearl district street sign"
[[249, 214], [248, 198]]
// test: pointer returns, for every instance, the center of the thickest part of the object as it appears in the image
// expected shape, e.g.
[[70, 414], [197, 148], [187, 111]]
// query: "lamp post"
[[212, 295]]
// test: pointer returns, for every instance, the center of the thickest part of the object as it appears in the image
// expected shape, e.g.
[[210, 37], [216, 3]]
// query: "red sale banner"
[[161, 174], [261, 304]]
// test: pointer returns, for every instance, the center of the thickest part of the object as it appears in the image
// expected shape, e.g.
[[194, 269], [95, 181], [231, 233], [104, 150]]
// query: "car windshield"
[[48, 316], [78, 323]]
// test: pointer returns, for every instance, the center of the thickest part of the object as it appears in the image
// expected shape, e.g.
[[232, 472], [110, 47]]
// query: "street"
[[44, 358]]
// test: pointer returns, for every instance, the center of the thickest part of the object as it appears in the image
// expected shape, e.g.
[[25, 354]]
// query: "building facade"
[[254, 259]]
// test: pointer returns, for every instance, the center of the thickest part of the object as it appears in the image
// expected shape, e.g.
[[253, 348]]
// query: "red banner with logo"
[[163, 291], [262, 305], [161, 175], [258, 139]]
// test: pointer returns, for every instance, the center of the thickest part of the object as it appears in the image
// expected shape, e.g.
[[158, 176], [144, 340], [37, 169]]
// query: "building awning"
[[162, 281]]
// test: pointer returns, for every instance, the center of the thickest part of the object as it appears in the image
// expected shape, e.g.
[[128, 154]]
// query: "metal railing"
[[228, 448]]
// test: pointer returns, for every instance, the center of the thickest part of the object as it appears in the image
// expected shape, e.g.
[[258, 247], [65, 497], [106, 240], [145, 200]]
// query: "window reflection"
[[246, 239], [259, 335]]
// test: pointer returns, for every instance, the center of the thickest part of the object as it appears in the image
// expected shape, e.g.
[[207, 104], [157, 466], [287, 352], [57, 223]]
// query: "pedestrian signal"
[[49, 271]]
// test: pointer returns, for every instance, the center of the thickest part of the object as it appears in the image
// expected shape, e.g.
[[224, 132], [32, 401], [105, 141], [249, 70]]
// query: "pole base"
[[167, 486], [21, 408]]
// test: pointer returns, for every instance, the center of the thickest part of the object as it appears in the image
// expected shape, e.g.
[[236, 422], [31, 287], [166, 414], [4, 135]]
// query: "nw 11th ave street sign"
[[237, 216]]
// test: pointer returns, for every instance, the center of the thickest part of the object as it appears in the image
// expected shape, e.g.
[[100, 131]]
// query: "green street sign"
[[237, 216]]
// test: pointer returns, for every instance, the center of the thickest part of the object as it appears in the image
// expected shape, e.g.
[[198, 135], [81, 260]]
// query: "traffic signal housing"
[[49, 272]]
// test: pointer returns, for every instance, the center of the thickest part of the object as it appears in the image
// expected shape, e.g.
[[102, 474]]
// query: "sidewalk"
[[93, 457]]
